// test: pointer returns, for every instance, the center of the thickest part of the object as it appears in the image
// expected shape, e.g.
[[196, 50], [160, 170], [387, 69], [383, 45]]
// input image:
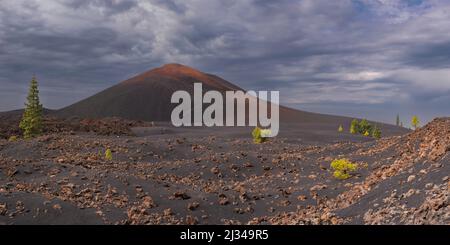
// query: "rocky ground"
[[9, 125], [163, 175]]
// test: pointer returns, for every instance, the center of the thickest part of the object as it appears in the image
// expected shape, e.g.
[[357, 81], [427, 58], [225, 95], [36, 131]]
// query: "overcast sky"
[[365, 58]]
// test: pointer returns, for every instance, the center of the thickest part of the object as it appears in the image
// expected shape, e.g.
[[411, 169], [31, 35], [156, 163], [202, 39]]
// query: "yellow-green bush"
[[376, 133], [363, 127], [108, 155], [12, 138], [343, 168], [257, 134], [354, 127], [340, 129], [415, 122]]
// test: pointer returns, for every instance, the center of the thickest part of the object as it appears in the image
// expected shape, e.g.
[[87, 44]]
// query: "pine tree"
[[397, 122], [108, 155], [354, 127], [364, 126], [415, 122], [376, 132], [31, 123]]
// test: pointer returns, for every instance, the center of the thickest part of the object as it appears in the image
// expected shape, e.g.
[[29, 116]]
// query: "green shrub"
[[256, 134], [260, 135], [354, 127], [340, 129], [376, 132], [415, 122], [364, 127], [343, 168], [13, 138], [108, 155]]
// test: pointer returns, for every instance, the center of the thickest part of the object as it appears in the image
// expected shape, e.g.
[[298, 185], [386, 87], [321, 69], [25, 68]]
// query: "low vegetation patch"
[[108, 155], [13, 138], [343, 168], [260, 135], [415, 122], [376, 133], [363, 127]]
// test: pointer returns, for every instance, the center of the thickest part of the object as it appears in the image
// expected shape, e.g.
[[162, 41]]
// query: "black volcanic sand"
[[168, 175]]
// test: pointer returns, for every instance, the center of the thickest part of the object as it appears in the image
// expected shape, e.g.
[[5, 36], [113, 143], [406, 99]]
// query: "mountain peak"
[[146, 96], [176, 69], [175, 66]]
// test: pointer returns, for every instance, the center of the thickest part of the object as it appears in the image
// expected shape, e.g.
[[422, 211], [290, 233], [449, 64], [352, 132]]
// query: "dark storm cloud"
[[317, 53], [108, 6], [430, 56], [174, 6]]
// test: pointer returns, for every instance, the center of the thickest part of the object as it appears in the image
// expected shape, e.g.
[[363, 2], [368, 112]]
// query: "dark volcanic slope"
[[147, 97]]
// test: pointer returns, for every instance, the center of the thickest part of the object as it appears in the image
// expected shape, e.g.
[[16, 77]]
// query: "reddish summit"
[[182, 73], [177, 70], [146, 96]]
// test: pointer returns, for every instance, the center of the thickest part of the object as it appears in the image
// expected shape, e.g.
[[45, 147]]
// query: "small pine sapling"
[[415, 122], [354, 127], [108, 155], [376, 132]]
